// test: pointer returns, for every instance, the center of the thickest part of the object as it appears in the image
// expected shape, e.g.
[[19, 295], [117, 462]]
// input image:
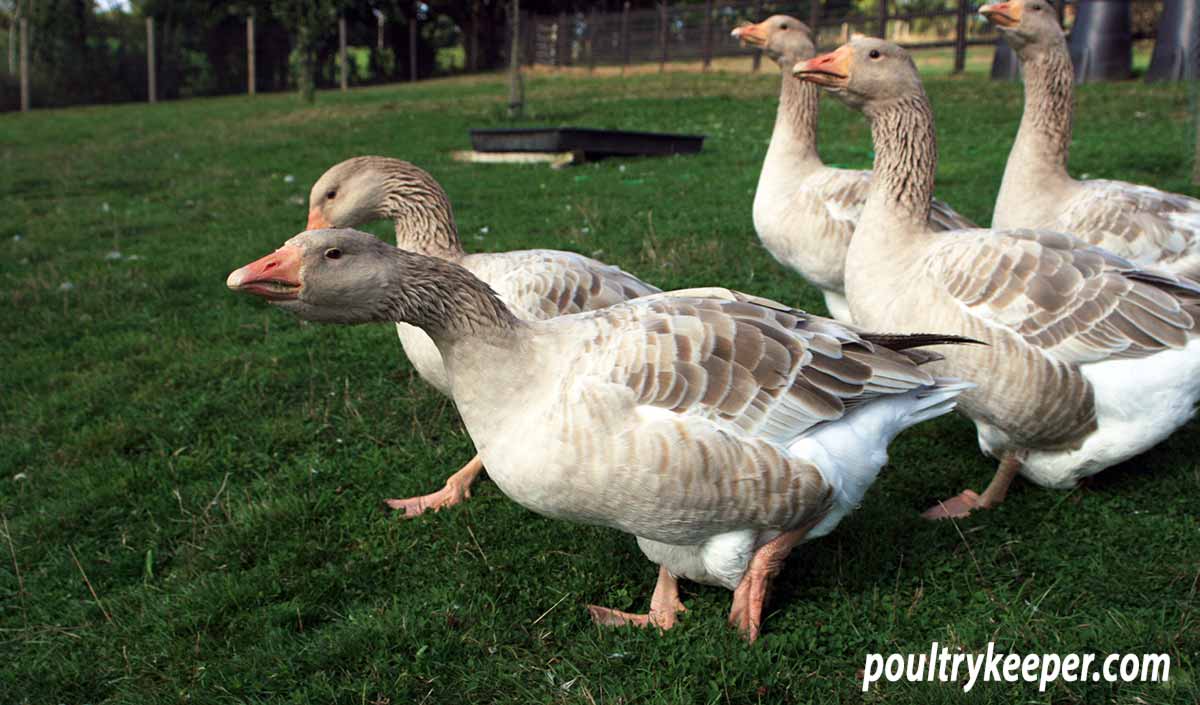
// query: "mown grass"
[[190, 481]]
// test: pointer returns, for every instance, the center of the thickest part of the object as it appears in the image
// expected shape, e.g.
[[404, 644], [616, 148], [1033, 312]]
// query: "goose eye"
[[874, 54], [331, 194], [783, 26], [333, 253]]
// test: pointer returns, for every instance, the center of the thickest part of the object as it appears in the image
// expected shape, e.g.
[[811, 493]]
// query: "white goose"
[[1143, 224], [534, 284], [804, 211], [1090, 361], [719, 429]]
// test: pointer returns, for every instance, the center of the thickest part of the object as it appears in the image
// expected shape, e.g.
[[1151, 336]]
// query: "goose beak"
[[752, 34], [317, 220], [275, 277], [830, 70], [1003, 14]]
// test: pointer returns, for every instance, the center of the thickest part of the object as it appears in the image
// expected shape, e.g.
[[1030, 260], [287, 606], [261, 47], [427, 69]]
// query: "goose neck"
[[905, 164], [1044, 137], [423, 217], [446, 301], [795, 135]]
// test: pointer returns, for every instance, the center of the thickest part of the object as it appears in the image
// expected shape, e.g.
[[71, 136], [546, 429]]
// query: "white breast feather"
[[1139, 403]]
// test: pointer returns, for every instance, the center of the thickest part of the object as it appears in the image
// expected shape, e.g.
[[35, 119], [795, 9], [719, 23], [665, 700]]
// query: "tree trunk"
[[12, 45], [308, 69], [250, 82], [412, 46], [25, 65], [472, 43], [343, 58], [151, 78]]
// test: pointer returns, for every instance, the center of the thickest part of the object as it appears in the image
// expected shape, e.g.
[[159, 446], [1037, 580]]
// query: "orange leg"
[[664, 606], [751, 592], [457, 489], [961, 505]]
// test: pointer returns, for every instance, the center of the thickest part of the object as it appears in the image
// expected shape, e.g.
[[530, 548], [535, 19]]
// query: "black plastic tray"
[[593, 143]]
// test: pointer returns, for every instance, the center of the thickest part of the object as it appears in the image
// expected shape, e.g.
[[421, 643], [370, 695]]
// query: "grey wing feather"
[[758, 370], [1072, 302], [541, 284], [943, 217], [1149, 226]]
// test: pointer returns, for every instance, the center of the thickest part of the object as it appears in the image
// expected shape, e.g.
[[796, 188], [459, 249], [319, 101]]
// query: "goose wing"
[[1073, 303], [541, 284], [1152, 227], [753, 366]]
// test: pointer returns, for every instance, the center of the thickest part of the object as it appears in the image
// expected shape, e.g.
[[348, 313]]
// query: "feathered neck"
[[421, 211], [443, 299], [795, 133], [905, 161], [1044, 137]]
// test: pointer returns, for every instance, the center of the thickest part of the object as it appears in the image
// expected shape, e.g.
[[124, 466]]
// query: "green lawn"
[[189, 480]]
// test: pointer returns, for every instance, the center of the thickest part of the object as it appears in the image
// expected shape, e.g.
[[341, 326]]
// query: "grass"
[[189, 480]]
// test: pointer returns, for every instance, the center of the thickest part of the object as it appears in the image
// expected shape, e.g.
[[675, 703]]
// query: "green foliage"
[[306, 21], [215, 467]]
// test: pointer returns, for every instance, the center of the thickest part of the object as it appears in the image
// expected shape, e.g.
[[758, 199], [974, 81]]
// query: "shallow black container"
[[593, 143]]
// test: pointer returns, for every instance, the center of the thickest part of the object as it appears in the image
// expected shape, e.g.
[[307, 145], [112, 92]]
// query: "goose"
[[718, 428], [1143, 224], [1090, 359], [804, 211], [535, 284]]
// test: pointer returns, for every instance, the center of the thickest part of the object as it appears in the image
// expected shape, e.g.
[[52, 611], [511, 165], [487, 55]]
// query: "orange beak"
[[829, 70], [1003, 14], [752, 34], [275, 277], [317, 220]]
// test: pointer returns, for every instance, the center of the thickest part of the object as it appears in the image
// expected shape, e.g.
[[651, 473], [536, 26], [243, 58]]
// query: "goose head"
[[350, 194], [1025, 23], [862, 71], [784, 38], [363, 189], [328, 276]]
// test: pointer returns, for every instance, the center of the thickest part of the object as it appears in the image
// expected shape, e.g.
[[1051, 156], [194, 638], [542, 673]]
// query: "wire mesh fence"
[[701, 32]]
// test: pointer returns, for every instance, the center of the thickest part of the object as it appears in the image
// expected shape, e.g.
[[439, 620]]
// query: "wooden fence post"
[[342, 58], [814, 21], [562, 45], [882, 19], [516, 88], [960, 38], [151, 79], [757, 61], [379, 31], [24, 65], [708, 37], [591, 40], [12, 45], [624, 36], [662, 36], [250, 79], [412, 45]]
